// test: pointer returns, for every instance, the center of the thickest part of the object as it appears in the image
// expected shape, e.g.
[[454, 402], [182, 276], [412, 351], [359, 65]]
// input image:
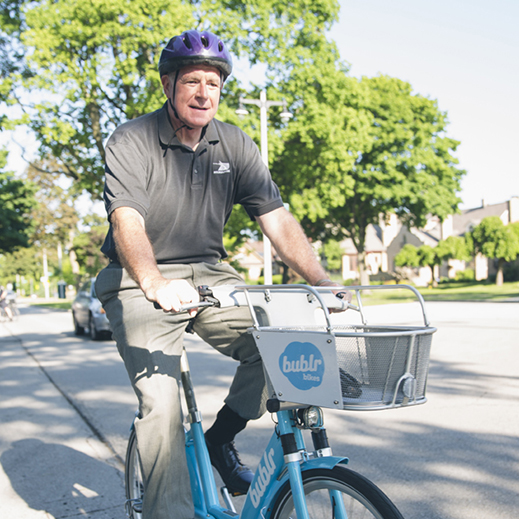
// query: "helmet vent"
[[187, 42], [205, 41], [220, 46]]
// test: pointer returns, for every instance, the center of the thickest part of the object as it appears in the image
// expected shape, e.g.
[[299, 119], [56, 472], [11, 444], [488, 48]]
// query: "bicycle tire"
[[361, 498], [78, 330], [15, 311], [133, 483], [94, 334]]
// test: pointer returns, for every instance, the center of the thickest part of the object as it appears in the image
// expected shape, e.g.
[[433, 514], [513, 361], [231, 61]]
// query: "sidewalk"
[[43, 438]]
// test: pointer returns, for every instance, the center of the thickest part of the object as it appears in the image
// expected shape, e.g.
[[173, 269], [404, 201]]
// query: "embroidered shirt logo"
[[223, 167]]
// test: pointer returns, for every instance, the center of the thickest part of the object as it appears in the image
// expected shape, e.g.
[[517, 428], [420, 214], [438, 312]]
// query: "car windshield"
[[85, 288]]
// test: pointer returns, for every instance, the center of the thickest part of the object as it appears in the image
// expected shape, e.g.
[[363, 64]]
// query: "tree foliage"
[[16, 203], [423, 256], [453, 247], [82, 68], [367, 148], [54, 219], [24, 261], [407, 256], [87, 247], [495, 240], [356, 149]]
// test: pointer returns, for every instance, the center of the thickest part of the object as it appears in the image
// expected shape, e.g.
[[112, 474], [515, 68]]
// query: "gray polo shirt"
[[184, 196]]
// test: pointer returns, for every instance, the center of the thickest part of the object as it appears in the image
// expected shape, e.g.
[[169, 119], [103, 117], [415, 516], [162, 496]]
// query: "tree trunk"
[[434, 283], [363, 269], [499, 275]]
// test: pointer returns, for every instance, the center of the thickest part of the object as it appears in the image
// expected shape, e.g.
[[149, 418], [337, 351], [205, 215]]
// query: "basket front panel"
[[301, 366]]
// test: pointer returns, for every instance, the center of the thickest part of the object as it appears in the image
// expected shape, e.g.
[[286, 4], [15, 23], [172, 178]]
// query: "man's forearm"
[[292, 245], [136, 255], [133, 247]]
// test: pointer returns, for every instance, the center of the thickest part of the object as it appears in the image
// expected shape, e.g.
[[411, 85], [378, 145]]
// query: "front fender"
[[326, 462], [275, 487]]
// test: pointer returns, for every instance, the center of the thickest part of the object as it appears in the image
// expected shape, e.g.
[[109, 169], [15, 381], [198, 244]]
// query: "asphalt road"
[[66, 407]]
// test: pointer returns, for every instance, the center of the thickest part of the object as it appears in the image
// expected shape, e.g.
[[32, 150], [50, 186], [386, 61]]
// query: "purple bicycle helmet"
[[195, 48]]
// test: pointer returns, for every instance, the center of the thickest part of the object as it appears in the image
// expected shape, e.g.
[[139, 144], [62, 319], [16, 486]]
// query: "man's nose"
[[203, 91]]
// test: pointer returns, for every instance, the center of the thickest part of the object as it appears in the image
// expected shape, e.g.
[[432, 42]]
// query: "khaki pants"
[[150, 343]]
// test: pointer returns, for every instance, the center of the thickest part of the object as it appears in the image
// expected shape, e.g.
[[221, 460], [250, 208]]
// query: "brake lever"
[[206, 299]]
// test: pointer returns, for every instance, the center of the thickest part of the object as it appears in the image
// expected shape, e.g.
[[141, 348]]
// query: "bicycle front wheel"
[[14, 310], [337, 493], [133, 479]]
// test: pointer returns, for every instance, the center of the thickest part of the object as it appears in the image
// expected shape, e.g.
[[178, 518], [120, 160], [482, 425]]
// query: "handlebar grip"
[[189, 306]]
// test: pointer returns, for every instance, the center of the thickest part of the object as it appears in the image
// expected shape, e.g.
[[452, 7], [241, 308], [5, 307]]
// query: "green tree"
[[453, 247], [16, 203], [332, 252], [428, 257], [87, 247], [21, 262], [495, 240], [361, 150], [88, 66], [423, 256], [407, 256], [55, 218]]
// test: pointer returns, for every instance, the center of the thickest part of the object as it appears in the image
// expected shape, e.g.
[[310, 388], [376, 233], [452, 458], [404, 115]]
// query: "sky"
[[462, 53]]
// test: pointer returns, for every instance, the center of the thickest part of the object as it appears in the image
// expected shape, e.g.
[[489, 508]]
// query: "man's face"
[[197, 94]]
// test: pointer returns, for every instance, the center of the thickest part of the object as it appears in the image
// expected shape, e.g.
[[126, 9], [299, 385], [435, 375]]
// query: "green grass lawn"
[[58, 304], [445, 292]]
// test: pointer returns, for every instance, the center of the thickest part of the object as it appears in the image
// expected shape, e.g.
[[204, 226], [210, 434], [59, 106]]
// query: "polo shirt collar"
[[167, 137]]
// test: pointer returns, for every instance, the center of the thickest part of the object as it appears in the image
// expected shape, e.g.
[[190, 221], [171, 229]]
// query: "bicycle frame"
[[273, 472]]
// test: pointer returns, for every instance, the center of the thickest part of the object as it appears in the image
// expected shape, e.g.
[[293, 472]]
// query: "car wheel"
[[78, 330], [94, 334]]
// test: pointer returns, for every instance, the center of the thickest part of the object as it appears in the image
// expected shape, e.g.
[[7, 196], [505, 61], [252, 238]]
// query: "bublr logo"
[[303, 364]]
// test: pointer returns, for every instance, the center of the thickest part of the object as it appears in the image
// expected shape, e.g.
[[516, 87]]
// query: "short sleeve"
[[125, 176]]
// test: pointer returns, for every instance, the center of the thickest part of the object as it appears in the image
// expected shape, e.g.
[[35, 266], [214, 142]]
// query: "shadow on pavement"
[[61, 481]]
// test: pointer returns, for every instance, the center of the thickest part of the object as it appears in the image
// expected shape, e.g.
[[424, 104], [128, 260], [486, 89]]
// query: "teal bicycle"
[[310, 364]]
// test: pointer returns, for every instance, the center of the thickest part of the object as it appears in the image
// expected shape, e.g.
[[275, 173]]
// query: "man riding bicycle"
[[172, 178]]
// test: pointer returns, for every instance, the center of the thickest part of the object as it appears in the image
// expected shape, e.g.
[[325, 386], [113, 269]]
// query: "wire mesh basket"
[[353, 366], [381, 367]]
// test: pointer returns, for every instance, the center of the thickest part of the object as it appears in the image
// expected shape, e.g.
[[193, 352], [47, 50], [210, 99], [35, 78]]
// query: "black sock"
[[226, 426]]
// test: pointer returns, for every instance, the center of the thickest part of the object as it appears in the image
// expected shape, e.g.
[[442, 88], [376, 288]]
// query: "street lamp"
[[285, 115]]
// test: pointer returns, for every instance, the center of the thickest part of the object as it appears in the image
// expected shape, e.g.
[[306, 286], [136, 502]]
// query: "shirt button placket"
[[196, 172]]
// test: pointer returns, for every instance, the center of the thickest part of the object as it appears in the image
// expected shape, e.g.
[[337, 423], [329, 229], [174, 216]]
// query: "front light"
[[311, 417]]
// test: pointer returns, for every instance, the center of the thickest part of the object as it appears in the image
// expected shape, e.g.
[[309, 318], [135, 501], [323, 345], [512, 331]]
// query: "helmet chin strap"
[[184, 125], [175, 113]]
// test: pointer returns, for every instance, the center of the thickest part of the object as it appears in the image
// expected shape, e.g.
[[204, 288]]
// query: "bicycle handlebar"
[[230, 295]]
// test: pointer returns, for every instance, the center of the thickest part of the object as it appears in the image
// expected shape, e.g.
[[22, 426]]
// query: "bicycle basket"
[[311, 361], [353, 367], [383, 367]]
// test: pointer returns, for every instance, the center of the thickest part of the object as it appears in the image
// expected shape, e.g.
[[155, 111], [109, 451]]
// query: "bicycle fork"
[[293, 449], [292, 455]]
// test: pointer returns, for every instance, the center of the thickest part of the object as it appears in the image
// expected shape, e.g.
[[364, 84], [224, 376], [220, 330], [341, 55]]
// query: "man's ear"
[[166, 85]]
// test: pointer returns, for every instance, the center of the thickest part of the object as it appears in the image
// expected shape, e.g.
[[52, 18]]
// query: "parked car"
[[87, 312]]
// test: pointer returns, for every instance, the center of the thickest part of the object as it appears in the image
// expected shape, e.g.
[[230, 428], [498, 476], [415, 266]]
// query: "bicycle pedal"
[[134, 505]]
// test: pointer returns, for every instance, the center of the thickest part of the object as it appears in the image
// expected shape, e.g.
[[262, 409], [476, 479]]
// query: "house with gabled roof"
[[385, 240]]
